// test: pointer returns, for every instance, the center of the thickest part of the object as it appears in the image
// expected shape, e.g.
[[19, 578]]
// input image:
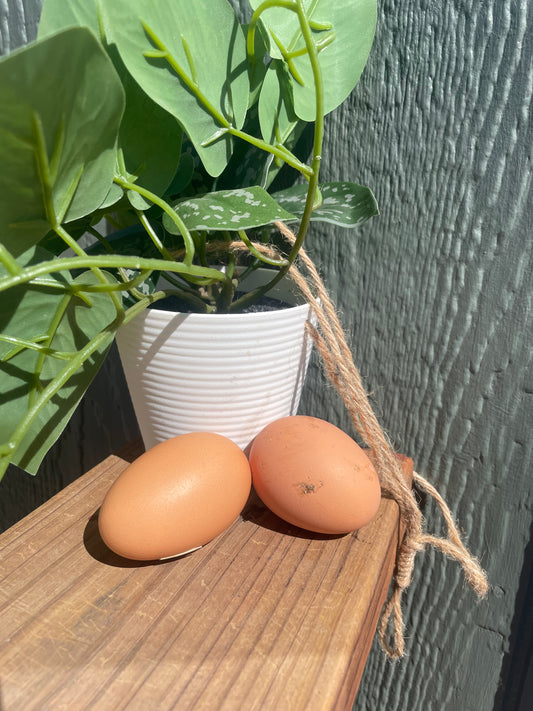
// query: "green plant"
[[170, 120]]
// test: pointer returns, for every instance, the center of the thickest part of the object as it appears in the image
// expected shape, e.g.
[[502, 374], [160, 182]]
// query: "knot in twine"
[[329, 339]]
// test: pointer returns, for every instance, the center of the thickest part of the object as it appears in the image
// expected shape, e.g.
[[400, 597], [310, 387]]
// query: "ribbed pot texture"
[[226, 373]]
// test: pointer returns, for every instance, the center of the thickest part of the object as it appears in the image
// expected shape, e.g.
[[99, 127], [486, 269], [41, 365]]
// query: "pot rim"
[[286, 291]]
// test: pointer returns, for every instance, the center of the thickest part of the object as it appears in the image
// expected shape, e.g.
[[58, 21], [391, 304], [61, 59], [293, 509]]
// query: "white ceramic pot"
[[226, 373]]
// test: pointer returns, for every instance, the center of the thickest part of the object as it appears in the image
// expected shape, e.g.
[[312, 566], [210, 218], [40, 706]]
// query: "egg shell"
[[177, 496], [313, 475]]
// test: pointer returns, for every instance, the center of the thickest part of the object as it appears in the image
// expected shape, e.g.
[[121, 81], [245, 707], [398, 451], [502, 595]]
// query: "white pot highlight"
[[227, 373]]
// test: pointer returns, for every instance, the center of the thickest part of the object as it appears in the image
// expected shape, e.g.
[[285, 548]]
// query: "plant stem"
[[186, 294], [250, 38], [22, 344], [319, 129], [109, 261], [115, 298], [47, 174], [317, 154], [176, 219], [277, 150], [52, 329], [9, 262], [103, 241], [125, 285], [115, 224], [256, 253], [136, 309], [163, 251], [129, 284]]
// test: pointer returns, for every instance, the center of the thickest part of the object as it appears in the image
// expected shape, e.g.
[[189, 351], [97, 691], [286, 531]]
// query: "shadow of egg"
[[97, 549]]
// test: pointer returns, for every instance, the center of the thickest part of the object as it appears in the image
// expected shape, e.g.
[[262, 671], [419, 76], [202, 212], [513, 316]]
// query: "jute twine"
[[330, 341]]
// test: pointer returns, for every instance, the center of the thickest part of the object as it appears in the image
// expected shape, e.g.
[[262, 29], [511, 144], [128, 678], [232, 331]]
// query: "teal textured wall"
[[436, 298]]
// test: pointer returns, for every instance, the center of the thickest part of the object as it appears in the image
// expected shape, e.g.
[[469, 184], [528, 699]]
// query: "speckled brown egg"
[[177, 496], [313, 475]]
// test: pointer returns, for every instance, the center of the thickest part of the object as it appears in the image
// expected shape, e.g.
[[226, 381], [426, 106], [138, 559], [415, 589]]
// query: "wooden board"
[[267, 616]]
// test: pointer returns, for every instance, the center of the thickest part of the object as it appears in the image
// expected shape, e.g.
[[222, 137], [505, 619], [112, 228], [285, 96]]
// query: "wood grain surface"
[[267, 616]]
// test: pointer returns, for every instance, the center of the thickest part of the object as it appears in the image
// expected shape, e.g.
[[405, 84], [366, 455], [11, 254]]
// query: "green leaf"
[[276, 113], [183, 175], [190, 58], [346, 47], [257, 67], [343, 204], [113, 196], [58, 15], [149, 137], [74, 108], [134, 241], [228, 210], [250, 165], [28, 312]]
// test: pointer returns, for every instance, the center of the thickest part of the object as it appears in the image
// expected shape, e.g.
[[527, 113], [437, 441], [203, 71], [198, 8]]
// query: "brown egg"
[[176, 497], [313, 475]]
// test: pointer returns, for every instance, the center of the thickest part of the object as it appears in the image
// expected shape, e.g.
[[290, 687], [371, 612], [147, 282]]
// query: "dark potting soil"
[[266, 303]]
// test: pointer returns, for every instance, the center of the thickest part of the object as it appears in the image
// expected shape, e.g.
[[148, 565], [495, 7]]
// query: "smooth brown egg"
[[177, 496], [313, 475]]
